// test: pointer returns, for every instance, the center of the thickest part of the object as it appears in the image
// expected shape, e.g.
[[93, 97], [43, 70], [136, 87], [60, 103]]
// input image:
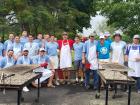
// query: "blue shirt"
[[132, 47], [23, 40], [32, 48], [39, 42], [108, 40], [78, 49], [87, 45], [41, 59], [24, 60], [103, 50], [51, 48], [17, 48], [5, 60], [1, 49], [8, 45]]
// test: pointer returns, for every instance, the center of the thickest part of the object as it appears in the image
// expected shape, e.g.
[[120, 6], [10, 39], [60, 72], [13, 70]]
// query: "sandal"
[[50, 86]]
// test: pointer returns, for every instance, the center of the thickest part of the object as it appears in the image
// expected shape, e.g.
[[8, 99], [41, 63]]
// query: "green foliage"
[[51, 16], [124, 15]]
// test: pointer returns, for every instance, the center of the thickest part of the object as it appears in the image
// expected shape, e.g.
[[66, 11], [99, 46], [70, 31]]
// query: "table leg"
[[129, 94], [97, 96], [115, 89], [115, 92], [19, 97], [106, 99], [99, 86], [38, 91], [22, 98]]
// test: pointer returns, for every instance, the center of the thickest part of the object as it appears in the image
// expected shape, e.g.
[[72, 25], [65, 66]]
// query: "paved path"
[[66, 95]]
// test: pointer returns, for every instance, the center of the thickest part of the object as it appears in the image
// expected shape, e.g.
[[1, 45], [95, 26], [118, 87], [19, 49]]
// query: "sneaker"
[[127, 91], [57, 83], [87, 87], [138, 91], [25, 89], [68, 82], [95, 88], [82, 80], [76, 79]]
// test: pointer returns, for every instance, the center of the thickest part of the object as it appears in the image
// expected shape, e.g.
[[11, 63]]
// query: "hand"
[[83, 61], [53, 71], [137, 59]]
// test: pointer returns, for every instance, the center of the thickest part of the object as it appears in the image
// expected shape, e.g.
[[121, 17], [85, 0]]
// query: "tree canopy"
[[51, 16], [122, 14], [55, 16]]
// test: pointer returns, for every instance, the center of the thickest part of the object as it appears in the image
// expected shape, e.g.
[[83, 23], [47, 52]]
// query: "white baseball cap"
[[102, 37], [136, 37], [118, 32], [25, 49], [41, 49], [106, 34]]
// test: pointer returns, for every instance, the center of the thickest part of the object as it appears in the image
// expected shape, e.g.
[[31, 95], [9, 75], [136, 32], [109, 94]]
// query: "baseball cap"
[[102, 37], [41, 49], [64, 33], [118, 33], [106, 34], [136, 37], [25, 49]]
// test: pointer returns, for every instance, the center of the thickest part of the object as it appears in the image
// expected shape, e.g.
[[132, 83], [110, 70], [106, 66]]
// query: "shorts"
[[55, 62], [78, 65]]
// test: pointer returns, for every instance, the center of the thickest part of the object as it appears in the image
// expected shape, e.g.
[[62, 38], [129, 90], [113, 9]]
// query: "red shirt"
[[65, 42]]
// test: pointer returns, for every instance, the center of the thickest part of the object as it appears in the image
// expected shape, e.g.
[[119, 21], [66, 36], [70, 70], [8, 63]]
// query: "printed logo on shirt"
[[103, 50]]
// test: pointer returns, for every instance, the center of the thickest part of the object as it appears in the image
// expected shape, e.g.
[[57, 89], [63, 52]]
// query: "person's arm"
[[97, 50], [46, 48], [51, 65], [138, 58], [126, 55], [58, 51], [111, 48], [2, 63], [5, 47], [37, 48], [84, 54]]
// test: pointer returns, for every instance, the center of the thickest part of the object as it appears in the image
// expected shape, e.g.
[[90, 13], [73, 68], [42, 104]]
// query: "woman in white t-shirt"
[[117, 47]]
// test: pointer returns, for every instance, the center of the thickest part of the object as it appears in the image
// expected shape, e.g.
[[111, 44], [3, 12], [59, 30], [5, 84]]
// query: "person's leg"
[[64, 74], [45, 75], [87, 77], [81, 71], [50, 82], [138, 84], [56, 77], [96, 79], [68, 75], [76, 66]]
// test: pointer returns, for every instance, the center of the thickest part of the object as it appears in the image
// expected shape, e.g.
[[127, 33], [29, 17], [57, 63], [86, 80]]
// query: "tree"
[[51, 16], [122, 14]]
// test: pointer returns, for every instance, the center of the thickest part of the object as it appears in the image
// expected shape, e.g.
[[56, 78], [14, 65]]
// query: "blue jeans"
[[95, 77], [138, 83]]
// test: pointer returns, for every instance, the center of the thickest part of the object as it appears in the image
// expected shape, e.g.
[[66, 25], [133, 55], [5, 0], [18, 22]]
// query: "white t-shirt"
[[118, 51]]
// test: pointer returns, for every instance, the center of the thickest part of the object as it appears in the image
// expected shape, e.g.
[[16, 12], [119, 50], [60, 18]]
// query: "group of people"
[[54, 54]]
